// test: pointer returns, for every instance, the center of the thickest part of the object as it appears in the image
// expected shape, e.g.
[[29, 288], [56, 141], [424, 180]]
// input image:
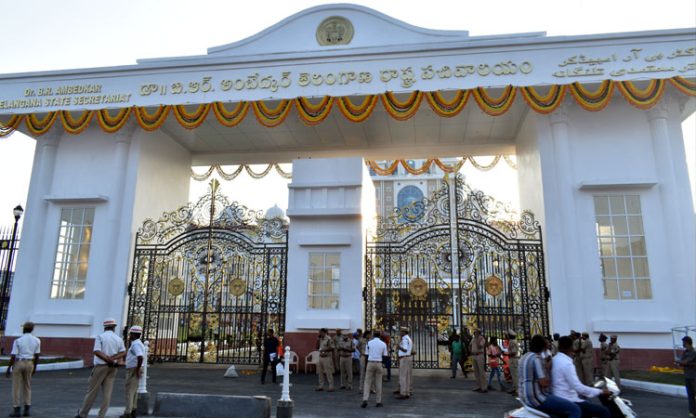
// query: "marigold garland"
[[242, 167], [151, 119], [593, 101], [392, 166], [448, 108]]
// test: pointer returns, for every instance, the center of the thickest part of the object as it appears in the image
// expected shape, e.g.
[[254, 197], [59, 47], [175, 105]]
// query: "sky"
[[40, 35]]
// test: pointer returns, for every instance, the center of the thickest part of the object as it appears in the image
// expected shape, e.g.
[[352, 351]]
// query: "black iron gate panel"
[[9, 244], [493, 281], [206, 290]]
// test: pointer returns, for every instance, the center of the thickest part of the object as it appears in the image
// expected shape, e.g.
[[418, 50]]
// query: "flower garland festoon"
[[312, 112], [392, 166], [231, 176]]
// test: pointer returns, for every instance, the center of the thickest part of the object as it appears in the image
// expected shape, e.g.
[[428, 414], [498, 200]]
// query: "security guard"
[[108, 350], [478, 349], [405, 364], [134, 362], [23, 360], [346, 347], [604, 354], [325, 369], [514, 359], [587, 359], [577, 358], [614, 351]]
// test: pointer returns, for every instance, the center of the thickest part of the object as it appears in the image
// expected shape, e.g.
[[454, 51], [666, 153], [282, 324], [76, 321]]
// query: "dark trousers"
[[592, 410], [266, 362], [690, 393], [386, 361]]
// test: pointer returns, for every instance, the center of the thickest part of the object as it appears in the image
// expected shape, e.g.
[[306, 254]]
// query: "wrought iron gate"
[[208, 280], [494, 280]]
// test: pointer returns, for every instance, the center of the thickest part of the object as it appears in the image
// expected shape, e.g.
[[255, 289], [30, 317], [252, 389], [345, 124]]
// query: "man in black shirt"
[[270, 355]]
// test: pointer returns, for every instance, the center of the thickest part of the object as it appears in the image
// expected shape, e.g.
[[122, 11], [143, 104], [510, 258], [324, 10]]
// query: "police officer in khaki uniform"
[[325, 345], [604, 354], [108, 350], [336, 339], [23, 360], [614, 351], [362, 343], [346, 347], [577, 360], [478, 350], [587, 359], [514, 359]]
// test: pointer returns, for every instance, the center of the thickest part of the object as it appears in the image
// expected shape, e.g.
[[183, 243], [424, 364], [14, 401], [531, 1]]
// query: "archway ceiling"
[[380, 136]]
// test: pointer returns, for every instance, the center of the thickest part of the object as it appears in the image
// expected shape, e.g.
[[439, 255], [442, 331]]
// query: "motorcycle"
[[618, 406]]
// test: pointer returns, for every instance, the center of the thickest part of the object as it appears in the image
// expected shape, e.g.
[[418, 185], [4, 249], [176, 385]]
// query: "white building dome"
[[275, 212]]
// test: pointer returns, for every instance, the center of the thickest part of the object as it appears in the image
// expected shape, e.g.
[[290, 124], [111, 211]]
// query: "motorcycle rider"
[[534, 384], [566, 385]]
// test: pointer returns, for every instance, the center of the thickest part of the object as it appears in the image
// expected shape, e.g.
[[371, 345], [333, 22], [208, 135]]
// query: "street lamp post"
[[17, 211]]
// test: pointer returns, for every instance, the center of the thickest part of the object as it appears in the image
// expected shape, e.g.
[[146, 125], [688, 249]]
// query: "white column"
[[118, 229], [572, 278], [33, 228], [676, 232]]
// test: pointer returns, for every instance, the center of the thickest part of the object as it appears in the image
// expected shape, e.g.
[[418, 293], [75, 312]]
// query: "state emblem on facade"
[[335, 30], [418, 288]]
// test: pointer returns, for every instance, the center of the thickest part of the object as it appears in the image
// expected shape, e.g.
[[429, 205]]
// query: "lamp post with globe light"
[[4, 299]]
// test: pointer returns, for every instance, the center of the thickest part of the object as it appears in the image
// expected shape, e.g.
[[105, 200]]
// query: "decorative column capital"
[[560, 115], [660, 110], [125, 134]]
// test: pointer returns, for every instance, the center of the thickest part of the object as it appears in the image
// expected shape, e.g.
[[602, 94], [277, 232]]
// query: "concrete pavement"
[[58, 394]]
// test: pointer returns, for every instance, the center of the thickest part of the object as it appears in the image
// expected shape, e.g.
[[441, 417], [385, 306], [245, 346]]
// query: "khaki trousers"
[[480, 371], [21, 382], [514, 370], [325, 371], [101, 378], [588, 370], [363, 365], [132, 380], [373, 376], [405, 374], [613, 371], [346, 368]]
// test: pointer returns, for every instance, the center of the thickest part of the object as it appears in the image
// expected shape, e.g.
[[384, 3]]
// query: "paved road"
[[58, 394]]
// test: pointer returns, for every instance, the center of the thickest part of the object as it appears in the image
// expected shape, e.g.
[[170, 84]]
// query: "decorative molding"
[[324, 240], [617, 184], [57, 199]]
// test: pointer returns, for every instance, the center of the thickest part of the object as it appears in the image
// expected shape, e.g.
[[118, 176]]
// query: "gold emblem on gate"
[[493, 285], [237, 286], [418, 288], [175, 286]]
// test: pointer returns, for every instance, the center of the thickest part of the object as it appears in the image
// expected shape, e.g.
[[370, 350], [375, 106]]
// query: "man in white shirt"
[[134, 362], [108, 350], [375, 350], [23, 360], [566, 384], [405, 364]]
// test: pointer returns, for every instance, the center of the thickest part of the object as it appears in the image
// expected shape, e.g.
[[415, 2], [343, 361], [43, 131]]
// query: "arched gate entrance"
[[208, 280], [493, 281]]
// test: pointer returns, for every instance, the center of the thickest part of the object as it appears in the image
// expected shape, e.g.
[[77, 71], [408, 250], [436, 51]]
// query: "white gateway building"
[[605, 241]]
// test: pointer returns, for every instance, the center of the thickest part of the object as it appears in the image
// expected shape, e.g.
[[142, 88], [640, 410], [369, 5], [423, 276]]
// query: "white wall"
[[325, 207], [615, 151], [131, 173]]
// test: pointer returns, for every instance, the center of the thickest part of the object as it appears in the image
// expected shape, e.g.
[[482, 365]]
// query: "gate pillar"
[[331, 203]]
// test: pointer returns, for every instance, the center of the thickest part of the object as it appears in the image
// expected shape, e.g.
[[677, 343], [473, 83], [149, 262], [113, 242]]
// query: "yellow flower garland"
[[313, 114]]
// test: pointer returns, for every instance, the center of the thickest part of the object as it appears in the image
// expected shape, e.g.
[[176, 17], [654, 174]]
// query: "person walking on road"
[[375, 350], [23, 360], [134, 363], [688, 362], [457, 351], [270, 355], [108, 350], [514, 360]]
